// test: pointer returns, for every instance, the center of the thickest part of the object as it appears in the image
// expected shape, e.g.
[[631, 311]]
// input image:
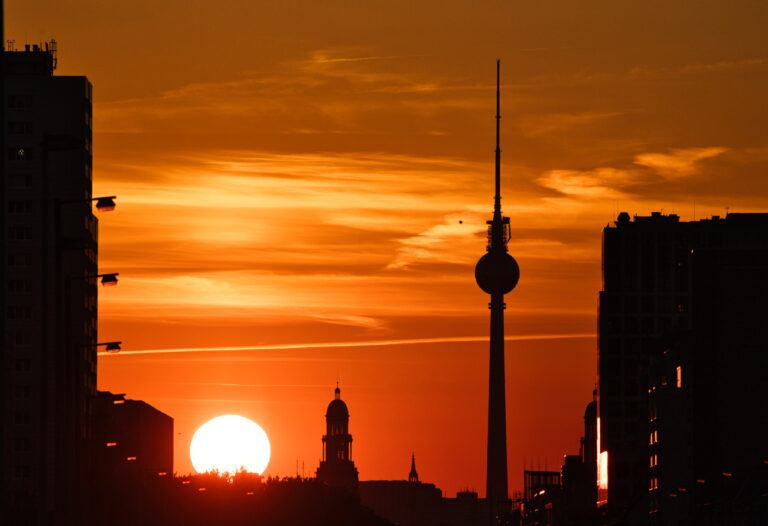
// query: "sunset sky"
[[303, 188]]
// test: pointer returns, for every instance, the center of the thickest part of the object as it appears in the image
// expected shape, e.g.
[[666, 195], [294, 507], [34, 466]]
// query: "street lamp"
[[108, 280], [105, 204], [110, 347]]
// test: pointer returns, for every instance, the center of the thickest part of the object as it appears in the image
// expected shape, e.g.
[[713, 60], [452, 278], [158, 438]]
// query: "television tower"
[[497, 274]]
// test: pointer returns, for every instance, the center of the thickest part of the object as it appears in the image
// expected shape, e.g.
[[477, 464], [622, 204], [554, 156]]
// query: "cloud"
[[441, 242], [600, 183], [351, 320], [619, 183], [679, 163]]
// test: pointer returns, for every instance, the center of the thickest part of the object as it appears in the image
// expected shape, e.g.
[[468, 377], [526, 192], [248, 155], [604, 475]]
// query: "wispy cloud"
[[600, 183], [678, 163], [440, 242]]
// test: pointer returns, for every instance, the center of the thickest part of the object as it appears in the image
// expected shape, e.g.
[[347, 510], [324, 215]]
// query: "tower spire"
[[497, 198]]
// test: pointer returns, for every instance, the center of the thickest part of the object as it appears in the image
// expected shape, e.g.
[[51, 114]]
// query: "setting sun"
[[228, 444]]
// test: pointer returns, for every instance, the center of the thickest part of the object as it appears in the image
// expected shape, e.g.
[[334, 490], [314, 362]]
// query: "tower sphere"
[[497, 273]]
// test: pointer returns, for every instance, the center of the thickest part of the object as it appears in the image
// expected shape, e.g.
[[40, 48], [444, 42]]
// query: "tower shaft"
[[496, 481]]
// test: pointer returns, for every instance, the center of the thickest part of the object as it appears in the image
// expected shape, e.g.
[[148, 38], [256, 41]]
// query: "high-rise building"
[[646, 298], [48, 289], [497, 274], [707, 421], [337, 468]]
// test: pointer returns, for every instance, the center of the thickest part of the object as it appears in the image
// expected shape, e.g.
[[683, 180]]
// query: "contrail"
[[340, 345]]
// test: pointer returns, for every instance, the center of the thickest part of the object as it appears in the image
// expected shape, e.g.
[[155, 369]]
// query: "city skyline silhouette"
[[302, 197]]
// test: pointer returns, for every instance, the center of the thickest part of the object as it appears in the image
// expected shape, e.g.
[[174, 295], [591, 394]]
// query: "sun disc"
[[229, 444]]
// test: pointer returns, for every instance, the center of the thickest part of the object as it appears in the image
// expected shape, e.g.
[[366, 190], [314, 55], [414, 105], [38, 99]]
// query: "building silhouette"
[[415, 503], [707, 415], [589, 453], [497, 274], [578, 477], [336, 467], [568, 497], [48, 269], [131, 435], [652, 294], [132, 448]]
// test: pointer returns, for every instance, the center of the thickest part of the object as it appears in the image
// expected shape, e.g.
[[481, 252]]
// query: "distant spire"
[[413, 476], [497, 198], [337, 391]]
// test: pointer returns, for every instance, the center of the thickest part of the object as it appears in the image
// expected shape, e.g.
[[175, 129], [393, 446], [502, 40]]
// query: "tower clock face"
[[497, 273]]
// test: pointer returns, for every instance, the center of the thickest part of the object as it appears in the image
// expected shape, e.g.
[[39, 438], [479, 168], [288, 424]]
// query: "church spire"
[[413, 476]]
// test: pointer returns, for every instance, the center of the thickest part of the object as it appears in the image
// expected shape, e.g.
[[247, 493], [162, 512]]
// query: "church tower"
[[336, 467], [497, 274]]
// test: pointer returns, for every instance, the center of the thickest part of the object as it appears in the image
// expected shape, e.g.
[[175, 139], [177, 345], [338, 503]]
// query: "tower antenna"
[[497, 198]]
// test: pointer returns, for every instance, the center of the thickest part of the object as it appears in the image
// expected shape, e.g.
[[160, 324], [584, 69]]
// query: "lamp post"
[[71, 394], [81, 382]]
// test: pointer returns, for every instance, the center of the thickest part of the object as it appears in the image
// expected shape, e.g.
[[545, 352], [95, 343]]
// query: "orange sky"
[[293, 173]]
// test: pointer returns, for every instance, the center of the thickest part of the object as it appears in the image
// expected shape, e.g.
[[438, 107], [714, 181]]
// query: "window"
[[20, 233], [19, 153], [20, 285], [19, 312], [19, 127], [23, 101], [679, 376], [21, 472], [19, 207], [21, 392], [18, 181], [22, 365], [19, 260], [22, 338], [22, 444]]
